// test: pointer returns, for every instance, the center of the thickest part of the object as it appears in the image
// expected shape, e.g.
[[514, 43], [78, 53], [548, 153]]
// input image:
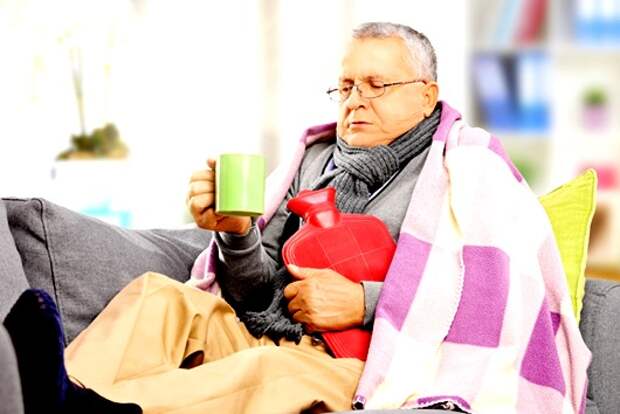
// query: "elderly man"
[[173, 348], [388, 114]]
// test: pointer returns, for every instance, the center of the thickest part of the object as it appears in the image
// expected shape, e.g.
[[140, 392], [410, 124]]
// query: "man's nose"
[[355, 99]]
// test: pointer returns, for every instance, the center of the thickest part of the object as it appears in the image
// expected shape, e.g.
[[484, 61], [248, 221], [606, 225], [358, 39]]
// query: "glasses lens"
[[344, 91], [334, 94], [371, 90], [367, 90]]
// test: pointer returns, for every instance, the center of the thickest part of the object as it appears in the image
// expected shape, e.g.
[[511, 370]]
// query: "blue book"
[[532, 73], [615, 30], [588, 24], [608, 15], [492, 87], [505, 32]]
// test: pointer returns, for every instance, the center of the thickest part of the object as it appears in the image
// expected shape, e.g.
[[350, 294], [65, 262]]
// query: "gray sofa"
[[83, 262]]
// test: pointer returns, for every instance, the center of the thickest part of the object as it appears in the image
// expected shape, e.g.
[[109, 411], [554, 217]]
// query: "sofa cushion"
[[12, 278], [600, 327], [10, 388], [570, 209], [83, 262]]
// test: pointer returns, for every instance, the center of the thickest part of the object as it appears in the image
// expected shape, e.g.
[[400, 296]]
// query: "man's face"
[[367, 122]]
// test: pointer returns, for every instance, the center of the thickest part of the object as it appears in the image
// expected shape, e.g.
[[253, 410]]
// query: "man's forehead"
[[376, 58]]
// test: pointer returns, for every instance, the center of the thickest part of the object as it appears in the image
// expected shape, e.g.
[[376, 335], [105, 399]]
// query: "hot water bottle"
[[357, 246]]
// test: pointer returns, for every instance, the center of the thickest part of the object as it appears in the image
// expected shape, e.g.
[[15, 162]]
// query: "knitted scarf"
[[358, 172]]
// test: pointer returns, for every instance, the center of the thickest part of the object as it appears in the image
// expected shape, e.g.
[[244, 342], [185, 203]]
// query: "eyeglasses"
[[366, 89]]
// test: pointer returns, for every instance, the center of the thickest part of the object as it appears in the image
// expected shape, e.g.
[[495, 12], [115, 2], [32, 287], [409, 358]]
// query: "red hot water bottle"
[[357, 246]]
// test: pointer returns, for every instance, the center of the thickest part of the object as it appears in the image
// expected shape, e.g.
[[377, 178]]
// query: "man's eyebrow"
[[366, 78]]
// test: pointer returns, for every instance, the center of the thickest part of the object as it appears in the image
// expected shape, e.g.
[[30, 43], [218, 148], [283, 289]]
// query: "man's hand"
[[324, 300], [201, 204]]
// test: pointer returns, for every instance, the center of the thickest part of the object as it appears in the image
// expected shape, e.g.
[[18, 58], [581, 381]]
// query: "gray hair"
[[422, 52]]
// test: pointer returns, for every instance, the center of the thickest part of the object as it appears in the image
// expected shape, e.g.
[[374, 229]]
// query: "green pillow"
[[570, 209]]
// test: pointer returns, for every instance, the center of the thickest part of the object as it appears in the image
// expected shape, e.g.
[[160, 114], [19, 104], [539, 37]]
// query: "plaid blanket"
[[474, 312]]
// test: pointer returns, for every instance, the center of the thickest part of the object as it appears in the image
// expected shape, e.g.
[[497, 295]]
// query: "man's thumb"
[[296, 271]]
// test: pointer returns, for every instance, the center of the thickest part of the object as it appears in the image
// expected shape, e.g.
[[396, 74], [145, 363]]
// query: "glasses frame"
[[330, 91]]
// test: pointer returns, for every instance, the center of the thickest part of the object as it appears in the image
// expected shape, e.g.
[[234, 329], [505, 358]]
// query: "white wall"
[[183, 79]]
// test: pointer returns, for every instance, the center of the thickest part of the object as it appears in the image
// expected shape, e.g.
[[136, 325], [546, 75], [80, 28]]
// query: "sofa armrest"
[[12, 278], [10, 388], [600, 327], [591, 407], [83, 262]]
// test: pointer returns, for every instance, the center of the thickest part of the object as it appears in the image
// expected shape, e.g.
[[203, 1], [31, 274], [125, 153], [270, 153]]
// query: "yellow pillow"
[[570, 209]]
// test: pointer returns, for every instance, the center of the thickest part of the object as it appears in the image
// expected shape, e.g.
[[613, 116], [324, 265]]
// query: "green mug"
[[240, 185]]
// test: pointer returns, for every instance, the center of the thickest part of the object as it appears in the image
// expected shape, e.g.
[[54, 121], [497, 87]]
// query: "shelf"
[[510, 50], [580, 51], [130, 193], [516, 136]]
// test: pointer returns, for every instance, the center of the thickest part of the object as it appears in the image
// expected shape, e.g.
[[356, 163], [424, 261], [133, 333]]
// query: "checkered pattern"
[[475, 310]]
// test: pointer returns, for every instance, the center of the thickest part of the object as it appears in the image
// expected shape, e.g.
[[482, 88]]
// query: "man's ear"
[[430, 96]]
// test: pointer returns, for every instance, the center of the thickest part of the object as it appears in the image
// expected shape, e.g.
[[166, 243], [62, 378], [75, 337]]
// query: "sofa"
[[83, 262]]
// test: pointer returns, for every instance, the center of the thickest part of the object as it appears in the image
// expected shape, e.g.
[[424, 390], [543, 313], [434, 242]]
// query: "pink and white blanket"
[[475, 309]]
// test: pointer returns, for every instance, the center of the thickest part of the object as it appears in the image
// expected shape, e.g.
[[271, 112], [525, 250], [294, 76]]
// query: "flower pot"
[[595, 118]]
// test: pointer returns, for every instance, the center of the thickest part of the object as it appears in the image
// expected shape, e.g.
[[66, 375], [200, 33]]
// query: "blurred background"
[[107, 106]]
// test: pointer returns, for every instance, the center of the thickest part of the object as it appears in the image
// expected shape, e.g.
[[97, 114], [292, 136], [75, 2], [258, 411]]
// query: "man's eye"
[[376, 85], [345, 89]]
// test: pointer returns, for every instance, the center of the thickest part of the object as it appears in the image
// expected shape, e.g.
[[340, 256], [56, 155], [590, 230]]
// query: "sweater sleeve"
[[371, 298], [248, 262]]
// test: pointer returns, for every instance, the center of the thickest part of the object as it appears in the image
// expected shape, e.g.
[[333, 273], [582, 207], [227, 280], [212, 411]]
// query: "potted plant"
[[595, 108], [102, 143]]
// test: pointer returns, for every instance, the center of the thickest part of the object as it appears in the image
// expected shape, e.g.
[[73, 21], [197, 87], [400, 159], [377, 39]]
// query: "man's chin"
[[359, 139]]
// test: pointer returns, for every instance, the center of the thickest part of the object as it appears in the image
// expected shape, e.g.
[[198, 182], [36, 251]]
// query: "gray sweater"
[[246, 262]]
